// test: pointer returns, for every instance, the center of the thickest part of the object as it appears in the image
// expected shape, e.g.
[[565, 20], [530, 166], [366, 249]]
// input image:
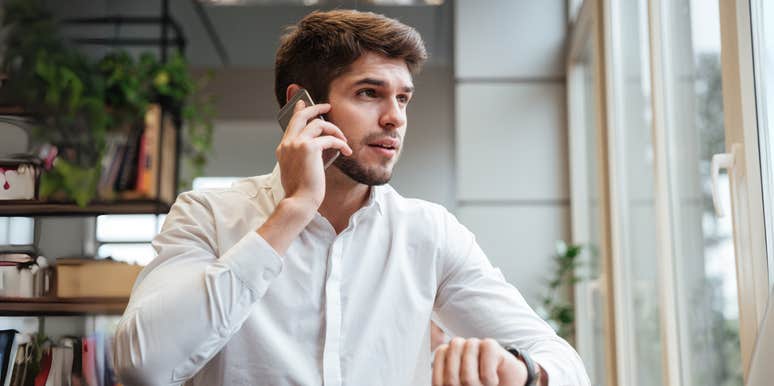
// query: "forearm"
[[286, 222], [187, 308]]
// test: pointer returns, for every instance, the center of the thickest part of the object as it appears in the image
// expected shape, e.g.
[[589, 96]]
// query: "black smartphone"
[[284, 115]]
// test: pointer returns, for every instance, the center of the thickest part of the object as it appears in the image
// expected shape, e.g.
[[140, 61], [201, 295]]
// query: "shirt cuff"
[[556, 375], [254, 262]]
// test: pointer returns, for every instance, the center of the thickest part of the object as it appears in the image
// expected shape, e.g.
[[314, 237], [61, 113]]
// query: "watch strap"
[[532, 376]]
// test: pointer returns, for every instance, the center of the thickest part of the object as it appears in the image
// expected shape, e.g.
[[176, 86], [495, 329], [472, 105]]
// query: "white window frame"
[[765, 135], [739, 105], [586, 28], [741, 132]]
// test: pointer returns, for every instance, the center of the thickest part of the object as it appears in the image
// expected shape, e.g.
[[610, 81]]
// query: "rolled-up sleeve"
[[474, 300], [190, 300]]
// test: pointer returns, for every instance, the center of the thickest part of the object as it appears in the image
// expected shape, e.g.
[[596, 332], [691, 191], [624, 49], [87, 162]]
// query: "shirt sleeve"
[[474, 300], [189, 301]]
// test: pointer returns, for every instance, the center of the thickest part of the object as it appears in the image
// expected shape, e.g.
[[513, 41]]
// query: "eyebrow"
[[380, 83]]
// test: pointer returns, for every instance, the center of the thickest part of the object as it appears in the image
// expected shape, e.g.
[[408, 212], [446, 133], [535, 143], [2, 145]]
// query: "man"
[[311, 276]]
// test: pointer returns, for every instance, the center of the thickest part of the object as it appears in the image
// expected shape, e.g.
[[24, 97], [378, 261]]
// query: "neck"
[[343, 197]]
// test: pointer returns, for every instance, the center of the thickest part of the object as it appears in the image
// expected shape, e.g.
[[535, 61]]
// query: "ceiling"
[[249, 33]]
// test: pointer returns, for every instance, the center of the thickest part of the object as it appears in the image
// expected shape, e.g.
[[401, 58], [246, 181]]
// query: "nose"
[[393, 116]]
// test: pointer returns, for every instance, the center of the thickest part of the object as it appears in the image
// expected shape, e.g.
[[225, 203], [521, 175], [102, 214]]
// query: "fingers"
[[438, 364], [489, 361], [451, 371], [330, 142], [469, 366], [302, 115], [458, 363], [319, 127]]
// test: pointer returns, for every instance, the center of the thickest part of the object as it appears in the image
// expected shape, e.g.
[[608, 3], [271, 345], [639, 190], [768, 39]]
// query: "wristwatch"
[[532, 375]]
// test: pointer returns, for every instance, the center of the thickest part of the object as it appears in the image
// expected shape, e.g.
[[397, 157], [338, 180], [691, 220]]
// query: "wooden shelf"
[[42, 208], [61, 306], [14, 110]]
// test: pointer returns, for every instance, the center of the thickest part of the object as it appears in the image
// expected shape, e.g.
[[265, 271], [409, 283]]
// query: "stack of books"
[[70, 360], [132, 163]]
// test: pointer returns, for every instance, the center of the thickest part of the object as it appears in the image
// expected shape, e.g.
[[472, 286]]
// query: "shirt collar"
[[375, 198]]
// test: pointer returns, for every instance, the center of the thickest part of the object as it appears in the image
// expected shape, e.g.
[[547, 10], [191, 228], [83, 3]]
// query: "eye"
[[404, 98], [367, 92]]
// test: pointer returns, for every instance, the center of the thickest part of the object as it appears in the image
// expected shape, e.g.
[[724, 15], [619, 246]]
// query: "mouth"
[[387, 147]]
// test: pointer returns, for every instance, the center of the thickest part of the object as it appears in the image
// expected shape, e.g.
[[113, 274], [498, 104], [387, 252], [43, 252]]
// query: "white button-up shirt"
[[219, 306]]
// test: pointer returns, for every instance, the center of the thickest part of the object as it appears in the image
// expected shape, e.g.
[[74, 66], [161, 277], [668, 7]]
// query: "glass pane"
[[634, 157], [708, 311], [763, 35], [21, 230], [594, 267], [141, 254], [132, 227]]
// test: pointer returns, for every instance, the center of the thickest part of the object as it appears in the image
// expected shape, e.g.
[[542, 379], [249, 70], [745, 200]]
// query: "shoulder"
[[421, 215], [213, 198], [397, 204]]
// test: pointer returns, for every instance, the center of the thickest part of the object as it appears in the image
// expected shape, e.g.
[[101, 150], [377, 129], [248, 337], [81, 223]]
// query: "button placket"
[[333, 314]]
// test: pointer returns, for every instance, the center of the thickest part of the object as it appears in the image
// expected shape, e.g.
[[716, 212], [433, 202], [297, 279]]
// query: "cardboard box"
[[76, 278]]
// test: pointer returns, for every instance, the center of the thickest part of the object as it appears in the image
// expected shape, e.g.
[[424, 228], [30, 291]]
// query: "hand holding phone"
[[299, 153], [286, 113]]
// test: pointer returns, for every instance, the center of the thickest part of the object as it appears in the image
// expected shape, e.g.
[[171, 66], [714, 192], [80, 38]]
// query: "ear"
[[291, 90]]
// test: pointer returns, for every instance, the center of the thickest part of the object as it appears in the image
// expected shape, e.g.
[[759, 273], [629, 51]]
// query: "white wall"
[[511, 155]]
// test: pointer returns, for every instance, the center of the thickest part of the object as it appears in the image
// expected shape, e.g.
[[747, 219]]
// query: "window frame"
[[587, 28], [741, 125], [753, 242]]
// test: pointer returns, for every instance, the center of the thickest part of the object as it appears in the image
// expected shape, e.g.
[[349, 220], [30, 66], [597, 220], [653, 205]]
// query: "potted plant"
[[77, 102]]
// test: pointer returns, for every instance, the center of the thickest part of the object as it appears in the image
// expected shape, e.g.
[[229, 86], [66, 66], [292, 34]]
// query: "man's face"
[[368, 104]]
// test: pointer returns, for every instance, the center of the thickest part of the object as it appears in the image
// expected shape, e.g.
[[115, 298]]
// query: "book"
[[89, 361], [79, 277], [157, 158], [168, 158], [21, 364], [127, 176], [9, 344], [45, 368]]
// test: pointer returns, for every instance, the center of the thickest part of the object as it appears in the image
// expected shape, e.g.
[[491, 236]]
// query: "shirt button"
[[266, 275]]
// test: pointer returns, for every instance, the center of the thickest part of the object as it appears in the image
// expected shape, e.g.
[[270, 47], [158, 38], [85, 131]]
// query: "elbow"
[[133, 356]]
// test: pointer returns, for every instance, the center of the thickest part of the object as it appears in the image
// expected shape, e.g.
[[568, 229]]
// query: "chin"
[[363, 173]]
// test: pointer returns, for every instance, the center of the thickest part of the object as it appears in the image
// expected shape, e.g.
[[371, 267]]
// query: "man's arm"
[[189, 301], [474, 300]]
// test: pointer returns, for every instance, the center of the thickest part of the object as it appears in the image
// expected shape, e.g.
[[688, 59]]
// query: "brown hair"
[[322, 45]]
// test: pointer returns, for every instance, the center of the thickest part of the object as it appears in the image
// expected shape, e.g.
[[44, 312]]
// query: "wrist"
[[288, 220], [299, 208], [534, 371]]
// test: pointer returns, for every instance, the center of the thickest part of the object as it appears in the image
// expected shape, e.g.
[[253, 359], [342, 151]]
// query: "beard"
[[361, 173]]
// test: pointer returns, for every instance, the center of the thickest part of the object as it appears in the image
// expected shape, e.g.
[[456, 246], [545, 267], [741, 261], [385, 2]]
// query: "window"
[[703, 245], [685, 288], [593, 337], [17, 231], [763, 47], [633, 213], [127, 237]]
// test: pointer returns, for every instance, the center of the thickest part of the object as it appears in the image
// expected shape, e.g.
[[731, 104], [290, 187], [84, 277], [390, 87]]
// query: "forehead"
[[393, 71]]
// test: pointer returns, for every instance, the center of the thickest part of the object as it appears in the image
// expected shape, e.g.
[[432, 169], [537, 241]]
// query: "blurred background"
[[575, 138]]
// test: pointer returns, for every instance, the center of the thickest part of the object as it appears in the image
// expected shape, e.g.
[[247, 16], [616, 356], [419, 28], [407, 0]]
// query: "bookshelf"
[[163, 181], [52, 306], [31, 208]]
